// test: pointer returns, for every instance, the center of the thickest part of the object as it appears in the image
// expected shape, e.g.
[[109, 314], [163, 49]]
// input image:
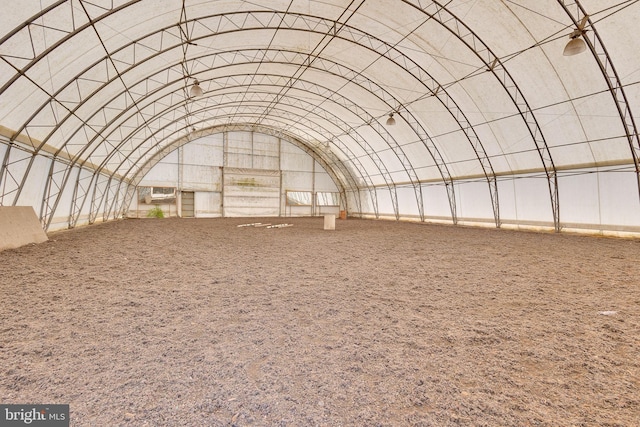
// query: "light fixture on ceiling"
[[196, 90], [577, 43], [575, 46], [391, 121]]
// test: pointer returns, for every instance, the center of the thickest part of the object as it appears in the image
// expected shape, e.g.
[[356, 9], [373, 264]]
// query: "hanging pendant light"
[[391, 121], [196, 90], [574, 47], [577, 44]]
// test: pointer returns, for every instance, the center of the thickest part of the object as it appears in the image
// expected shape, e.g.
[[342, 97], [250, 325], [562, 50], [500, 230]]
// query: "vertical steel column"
[[4, 173], [492, 63], [42, 215], [75, 207], [81, 195], [225, 162], [128, 197], [97, 197], [25, 175]]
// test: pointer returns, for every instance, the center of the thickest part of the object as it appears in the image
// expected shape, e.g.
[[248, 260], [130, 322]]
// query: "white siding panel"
[[473, 201], [33, 190], [408, 202], [203, 151], [165, 173], [207, 204], [323, 181], [251, 192], [533, 201], [385, 203], [295, 159], [301, 181], [203, 178], [579, 198], [619, 200], [436, 202]]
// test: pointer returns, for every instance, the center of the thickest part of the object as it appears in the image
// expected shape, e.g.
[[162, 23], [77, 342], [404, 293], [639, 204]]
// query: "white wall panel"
[[385, 202], [294, 180], [204, 151], [33, 189], [365, 202], [207, 204], [507, 199], [100, 189], [266, 152], [525, 199], [239, 150], [436, 202], [294, 158], [408, 202], [323, 182], [579, 198], [251, 192], [203, 178], [619, 202], [473, 201], [298, 210], [165, 173]]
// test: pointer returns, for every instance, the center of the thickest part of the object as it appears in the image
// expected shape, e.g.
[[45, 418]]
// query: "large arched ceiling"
[[479, 89]]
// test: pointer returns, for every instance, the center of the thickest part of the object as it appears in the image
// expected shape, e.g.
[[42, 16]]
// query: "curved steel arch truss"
[[493, 64], [98, 199], [576, 12], [311, 89], [85, 188], [355, 36], [256, 113]]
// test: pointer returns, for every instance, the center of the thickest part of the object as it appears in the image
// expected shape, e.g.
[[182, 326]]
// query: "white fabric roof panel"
[[478, 89]]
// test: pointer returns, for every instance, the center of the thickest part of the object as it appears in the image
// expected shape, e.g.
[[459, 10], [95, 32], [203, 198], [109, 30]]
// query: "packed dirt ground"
[[198, 322]]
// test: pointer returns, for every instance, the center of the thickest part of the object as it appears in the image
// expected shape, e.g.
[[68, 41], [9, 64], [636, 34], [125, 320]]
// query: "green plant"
[[156, 212]]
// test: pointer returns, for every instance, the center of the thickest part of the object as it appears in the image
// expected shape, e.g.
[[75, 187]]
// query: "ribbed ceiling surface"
[[479, 89]]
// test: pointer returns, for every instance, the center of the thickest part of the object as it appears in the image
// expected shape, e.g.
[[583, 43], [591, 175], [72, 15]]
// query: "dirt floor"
[[198, 322]]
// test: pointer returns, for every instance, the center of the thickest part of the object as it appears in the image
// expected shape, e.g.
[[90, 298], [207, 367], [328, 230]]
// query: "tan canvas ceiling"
[[492, 121]]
